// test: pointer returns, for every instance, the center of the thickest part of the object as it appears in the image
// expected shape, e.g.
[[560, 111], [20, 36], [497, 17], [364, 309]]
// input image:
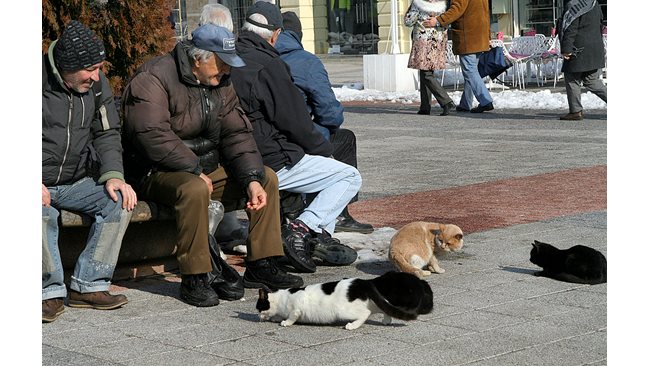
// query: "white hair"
[[262, 32], [200, 55], [216, 14]]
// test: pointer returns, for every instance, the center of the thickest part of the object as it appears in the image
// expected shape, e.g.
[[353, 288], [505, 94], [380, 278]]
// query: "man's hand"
[[129, 198], [207, 181], [256, 196], [45, 195]]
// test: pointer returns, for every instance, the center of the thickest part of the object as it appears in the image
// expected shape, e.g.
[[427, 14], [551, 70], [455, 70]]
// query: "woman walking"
[[428, 53]]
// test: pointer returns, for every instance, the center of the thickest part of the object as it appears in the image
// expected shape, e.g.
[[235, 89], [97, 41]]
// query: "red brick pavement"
[[495, 204]]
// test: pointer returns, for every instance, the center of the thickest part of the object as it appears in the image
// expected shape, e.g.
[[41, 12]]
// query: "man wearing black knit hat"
[[81, 171]]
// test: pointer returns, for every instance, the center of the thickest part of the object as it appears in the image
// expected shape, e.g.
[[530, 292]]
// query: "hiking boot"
[[577, 116], [265, 273], [328, 251], [196, 290], [295, 241], [52, 308], [100, 300], [345, 222]]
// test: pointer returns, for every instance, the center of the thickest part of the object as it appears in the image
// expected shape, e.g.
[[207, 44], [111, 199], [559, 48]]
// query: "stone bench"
[[148, 247]]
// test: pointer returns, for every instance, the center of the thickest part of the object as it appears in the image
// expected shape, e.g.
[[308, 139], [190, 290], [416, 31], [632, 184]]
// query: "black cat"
[[578, 264]]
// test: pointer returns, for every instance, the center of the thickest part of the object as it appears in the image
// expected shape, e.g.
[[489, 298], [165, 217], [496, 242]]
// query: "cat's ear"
[[459, 236], [264, 295], [435, 232]]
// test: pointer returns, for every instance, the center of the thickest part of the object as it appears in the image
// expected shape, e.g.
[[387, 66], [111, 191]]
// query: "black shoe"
[[447, 108], [461, 109], [483, 108], [345, 222], [265, 273], [328, 251], [195, 290], [295, 240], [426, 113]]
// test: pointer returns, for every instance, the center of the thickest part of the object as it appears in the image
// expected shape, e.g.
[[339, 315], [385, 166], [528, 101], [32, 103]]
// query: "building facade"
[[352, 27]]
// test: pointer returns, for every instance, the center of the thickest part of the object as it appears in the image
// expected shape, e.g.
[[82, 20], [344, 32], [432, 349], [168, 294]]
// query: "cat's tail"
[[389, 309]]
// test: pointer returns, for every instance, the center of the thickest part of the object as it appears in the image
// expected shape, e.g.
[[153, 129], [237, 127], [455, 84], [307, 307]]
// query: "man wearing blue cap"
[[188, 141]]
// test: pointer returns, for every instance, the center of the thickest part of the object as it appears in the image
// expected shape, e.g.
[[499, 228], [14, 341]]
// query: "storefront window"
[[352, 26]]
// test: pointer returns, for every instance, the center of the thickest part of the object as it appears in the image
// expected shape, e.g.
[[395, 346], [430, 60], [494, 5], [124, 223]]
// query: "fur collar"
[[431, 7]]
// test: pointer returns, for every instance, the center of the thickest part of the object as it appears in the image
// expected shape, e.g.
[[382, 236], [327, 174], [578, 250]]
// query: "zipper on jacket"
[[205, 108], [67, 144]]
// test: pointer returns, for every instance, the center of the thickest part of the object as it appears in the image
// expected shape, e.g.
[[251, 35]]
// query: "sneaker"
[[295, 241], [100, 300], [345, 222], [483, 108], [577, 116], [196, 290], [328, 251], [52, 308], [265, 273]]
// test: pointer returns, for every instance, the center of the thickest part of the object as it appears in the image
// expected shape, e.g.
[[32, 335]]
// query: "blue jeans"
[[474, 85], [96, 263], [336, 183]]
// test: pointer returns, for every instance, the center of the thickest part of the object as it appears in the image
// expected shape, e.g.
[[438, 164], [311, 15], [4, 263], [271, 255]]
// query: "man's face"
[[210, 72], [82, 80]]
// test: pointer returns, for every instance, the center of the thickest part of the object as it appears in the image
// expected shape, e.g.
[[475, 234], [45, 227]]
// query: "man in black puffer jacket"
[[187, 95], [81, 171]]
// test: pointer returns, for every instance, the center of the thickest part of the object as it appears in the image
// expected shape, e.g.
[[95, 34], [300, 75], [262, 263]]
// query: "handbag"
[[224, 279], [492, 63]]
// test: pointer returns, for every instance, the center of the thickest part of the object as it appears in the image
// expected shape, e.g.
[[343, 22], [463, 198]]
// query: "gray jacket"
[[79, 140]]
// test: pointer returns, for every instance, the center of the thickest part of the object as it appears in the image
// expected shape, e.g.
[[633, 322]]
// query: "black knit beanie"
[[290, 21], [78, 48]]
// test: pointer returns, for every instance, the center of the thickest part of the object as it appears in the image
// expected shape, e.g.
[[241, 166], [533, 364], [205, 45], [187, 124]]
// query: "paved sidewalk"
[[506, 177]]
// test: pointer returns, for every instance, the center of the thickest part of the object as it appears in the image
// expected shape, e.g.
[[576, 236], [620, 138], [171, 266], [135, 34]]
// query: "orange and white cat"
[[413, 247]]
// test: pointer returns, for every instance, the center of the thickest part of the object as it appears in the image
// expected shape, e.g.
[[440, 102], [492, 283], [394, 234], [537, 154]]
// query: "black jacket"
[[584, 38], [79, 139], [164, 105], [282, 126]]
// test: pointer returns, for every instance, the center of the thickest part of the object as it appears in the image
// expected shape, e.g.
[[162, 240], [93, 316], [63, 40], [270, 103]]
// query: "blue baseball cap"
[[219, 40]]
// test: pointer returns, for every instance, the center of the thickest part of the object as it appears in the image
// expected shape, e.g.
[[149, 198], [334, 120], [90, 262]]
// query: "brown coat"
[[470, 25], [163, 105]]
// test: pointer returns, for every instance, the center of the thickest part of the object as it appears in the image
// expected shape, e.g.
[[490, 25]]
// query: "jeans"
[[474, 85], [96, 263], [335, 181]]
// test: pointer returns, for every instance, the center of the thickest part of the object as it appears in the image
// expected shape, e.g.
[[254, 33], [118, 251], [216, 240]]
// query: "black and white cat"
[[395, 294], [578, 264]]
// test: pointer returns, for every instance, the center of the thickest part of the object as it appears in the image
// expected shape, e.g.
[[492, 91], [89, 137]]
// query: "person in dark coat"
[[193, 143], [290, 144], [310, 76], [583, 52], [82, 171]]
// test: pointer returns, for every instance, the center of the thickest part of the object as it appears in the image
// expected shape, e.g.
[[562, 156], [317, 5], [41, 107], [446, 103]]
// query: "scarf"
[[576, 9]]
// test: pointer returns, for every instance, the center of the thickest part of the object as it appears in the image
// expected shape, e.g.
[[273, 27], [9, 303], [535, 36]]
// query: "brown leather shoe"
[[52, 308], [100, 300], [577, 116]]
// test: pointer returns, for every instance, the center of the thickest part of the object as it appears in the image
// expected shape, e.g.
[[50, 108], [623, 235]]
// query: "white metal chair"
[[551, 53], [522, 52], [453, 62]]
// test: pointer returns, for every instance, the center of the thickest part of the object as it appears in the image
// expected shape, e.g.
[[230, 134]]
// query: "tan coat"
[[470, 25]]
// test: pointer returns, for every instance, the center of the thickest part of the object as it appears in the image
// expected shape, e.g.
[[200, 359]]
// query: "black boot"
[[295, 238], [265, 273], [328, 251], [345, 222], [195, 290]]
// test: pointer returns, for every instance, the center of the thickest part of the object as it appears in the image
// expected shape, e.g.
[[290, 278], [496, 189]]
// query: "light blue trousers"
[[335, 181], [474, 85], [96, 263]]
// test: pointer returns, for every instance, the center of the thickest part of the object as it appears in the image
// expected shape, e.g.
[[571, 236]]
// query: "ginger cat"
[[413, 247]]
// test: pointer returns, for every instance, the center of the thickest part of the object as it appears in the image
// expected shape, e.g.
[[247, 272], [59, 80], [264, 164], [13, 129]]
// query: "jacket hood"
[[287, 42], [184, 64], [52, 66], [250, 39]]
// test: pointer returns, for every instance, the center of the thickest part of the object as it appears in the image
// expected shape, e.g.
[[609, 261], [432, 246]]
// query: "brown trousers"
[[188, 195]]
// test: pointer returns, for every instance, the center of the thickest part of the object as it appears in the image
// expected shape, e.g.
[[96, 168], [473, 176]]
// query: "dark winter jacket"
[[164, 104], [282, 127], [79, 139], [311, 78], [584, 39], [470, 25]]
